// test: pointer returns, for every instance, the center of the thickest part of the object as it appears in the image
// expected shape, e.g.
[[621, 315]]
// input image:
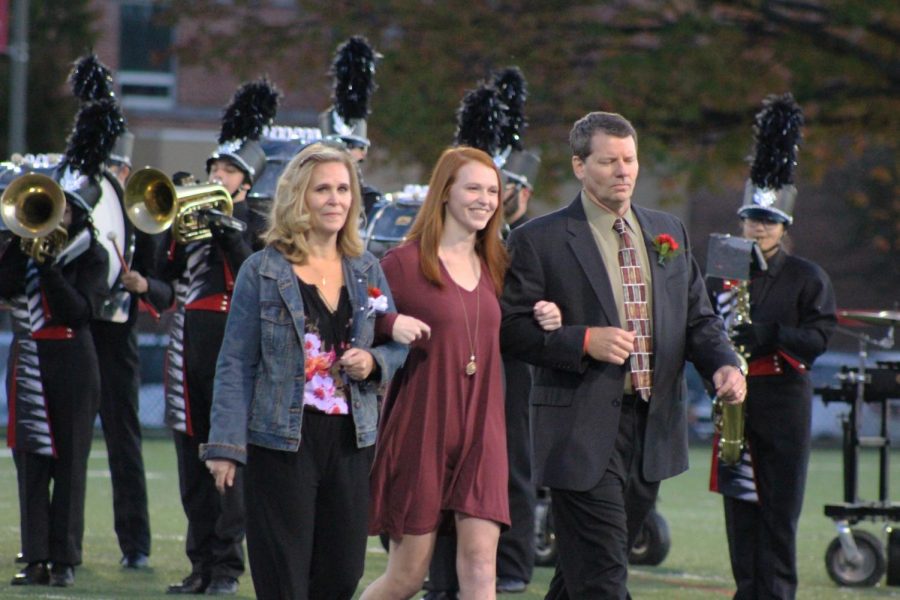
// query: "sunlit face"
[[329, 198], [610, 172], [473, 197], [229, 176], [768, 234]]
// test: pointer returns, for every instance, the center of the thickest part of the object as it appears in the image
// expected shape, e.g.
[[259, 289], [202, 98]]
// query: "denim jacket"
[[260, 373]]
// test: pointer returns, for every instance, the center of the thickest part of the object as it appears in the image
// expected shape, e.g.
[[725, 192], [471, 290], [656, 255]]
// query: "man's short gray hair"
[[584, 129]]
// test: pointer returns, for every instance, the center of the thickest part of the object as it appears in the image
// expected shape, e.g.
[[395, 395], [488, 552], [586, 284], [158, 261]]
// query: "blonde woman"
[[296, 382]]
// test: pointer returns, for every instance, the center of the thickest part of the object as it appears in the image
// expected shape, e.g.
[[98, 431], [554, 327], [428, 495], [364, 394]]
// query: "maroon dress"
[[442, 439]]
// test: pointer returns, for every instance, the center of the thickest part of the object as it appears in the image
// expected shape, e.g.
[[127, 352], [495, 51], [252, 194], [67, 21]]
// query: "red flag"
[[4, 24]]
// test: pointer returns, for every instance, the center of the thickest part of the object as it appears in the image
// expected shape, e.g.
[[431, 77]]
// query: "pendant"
[[471, 367]]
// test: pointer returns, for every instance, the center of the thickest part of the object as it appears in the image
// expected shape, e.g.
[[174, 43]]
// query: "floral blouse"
[[326, 337]]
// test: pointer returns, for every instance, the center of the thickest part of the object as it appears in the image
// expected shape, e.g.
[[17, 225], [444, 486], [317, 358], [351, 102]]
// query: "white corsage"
[[378, 302]]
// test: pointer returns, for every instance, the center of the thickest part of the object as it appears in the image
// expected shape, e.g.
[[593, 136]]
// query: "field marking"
[[685, 580]]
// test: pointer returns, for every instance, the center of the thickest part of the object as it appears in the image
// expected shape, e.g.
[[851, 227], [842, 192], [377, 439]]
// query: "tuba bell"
[[32, 207], [153, 204]]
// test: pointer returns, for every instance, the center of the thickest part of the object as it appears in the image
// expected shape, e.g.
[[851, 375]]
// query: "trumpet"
[[154, 204], [32, 207]]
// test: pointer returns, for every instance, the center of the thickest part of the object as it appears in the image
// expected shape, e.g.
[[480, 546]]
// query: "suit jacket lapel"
[[583, 245]]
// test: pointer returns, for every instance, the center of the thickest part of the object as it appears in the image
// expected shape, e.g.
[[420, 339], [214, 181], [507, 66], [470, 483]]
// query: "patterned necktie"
[[637, 317]]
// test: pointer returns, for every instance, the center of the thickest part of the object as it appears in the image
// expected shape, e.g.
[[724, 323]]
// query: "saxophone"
[[729, 418]]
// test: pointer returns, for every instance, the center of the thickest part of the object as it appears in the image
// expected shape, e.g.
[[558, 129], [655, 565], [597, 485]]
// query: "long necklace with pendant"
[[472, 365], [320, 289]]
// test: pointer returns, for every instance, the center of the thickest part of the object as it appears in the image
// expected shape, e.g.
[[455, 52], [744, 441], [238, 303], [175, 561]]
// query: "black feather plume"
[[252, 108], [98, 124], [510, 83], [353, 70], [91, 79], [777, 131], [480, 118]]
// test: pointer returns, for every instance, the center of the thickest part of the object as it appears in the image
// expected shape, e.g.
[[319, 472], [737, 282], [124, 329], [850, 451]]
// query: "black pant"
[[307, 513], [52, 516], [762, 537], [596, 528], [215, 532], [117, 353], [515, 552]]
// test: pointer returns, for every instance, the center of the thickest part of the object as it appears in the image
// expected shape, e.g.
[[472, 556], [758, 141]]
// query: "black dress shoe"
[[135, 561], [20, 558], [510, 585], [222, 586], [34, 574], [62, 575], [195, 583]]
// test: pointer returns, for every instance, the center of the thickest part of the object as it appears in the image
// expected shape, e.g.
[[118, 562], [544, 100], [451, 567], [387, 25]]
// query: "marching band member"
[[515, 552], [792, 317], [205, 273], [115, 339], [53, 382], [117, 350], [353, 70]]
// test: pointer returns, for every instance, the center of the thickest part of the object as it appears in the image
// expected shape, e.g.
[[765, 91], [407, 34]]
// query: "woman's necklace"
[[321, 288], [471, 366]]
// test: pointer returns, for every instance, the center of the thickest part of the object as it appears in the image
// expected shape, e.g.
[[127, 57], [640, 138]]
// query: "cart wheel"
[[893, 557], [544, 534], [865, 574], [653, 541]]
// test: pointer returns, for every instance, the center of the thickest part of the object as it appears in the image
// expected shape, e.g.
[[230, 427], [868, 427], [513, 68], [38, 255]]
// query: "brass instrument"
[[32, 207], [153, 204], [730, 417]]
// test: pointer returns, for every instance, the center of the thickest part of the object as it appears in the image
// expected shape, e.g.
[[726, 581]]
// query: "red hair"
[[429, 224]]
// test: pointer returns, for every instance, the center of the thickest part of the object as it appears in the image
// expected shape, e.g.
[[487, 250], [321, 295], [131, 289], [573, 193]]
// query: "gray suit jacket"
[[577, 400]]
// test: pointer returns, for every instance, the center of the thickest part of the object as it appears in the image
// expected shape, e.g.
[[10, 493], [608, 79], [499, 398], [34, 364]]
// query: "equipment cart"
[[856, 557]]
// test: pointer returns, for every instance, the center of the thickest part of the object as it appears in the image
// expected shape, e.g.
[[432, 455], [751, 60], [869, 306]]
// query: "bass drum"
[[392, 218], [112, 227], [115, 234]]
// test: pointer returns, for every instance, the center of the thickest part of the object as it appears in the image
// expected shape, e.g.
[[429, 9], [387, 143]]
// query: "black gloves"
[[48, 268], [756, 338], [225, 237]]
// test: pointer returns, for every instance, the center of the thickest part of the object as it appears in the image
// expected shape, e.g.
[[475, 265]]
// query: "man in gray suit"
[[610, 420]]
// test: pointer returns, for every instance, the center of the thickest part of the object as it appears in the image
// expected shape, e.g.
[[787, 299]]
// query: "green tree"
[[689, 73], [59, 32]]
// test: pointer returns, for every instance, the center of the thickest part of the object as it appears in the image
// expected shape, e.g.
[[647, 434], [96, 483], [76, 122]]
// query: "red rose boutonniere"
[[666, 247], [378, 302]]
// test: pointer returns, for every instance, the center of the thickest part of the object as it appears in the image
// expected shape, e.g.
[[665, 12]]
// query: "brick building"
[[174, 109]]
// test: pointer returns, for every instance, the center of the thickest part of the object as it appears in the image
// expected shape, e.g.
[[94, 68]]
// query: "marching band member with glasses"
[[792, 317]]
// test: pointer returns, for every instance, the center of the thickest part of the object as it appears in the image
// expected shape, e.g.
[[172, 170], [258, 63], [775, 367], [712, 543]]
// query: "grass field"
[[697, 566]]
